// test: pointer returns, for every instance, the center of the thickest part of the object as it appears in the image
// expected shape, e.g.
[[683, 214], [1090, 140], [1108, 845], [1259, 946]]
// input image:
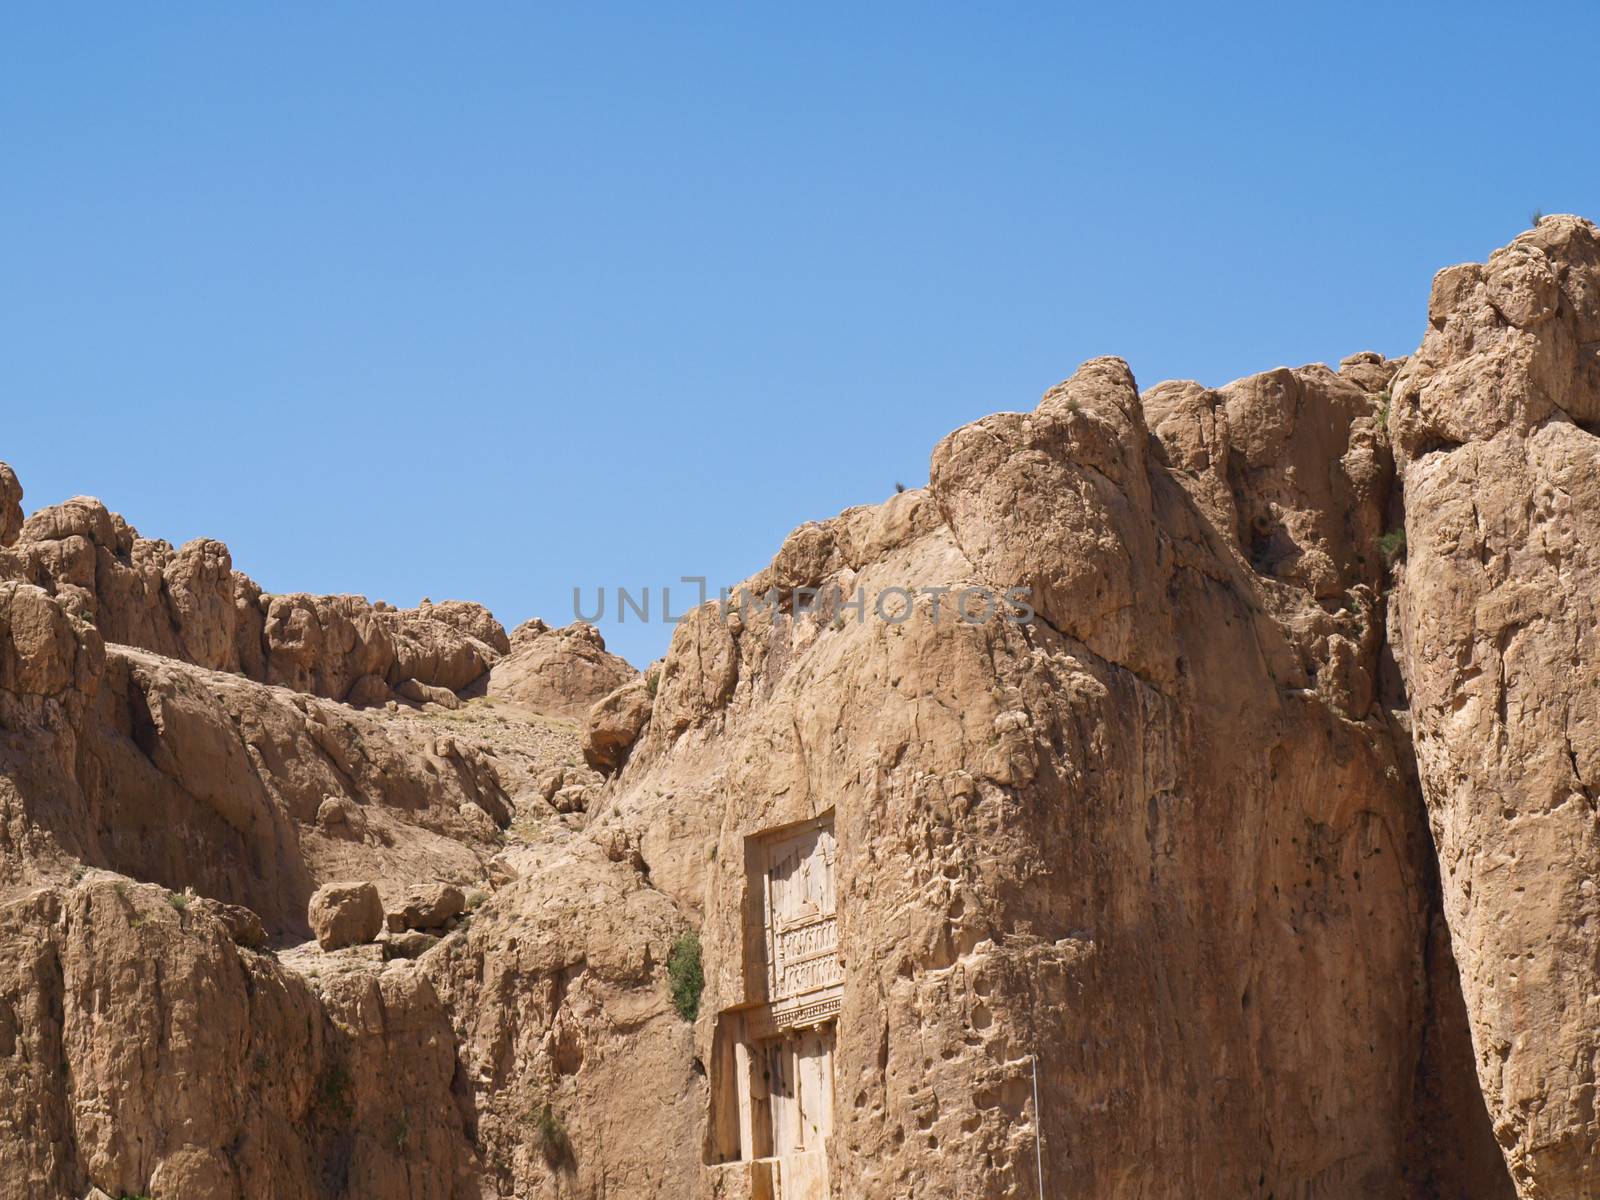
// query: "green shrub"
[[687, 974], [333, 1094], [1393, 545], [400, 1131], [552, 1138]]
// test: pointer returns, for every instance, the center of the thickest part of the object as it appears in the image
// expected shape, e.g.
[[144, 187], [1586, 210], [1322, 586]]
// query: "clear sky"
[[485, 301]]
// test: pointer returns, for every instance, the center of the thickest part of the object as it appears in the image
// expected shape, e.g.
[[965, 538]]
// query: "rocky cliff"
[[1189, 792]]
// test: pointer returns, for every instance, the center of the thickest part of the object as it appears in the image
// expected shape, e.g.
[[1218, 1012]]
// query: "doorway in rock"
[[773, 1057], [800, 1088]]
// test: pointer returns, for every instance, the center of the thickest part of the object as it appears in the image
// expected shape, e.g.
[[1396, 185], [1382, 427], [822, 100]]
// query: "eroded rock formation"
[[1187, 793], [190, 604], [1497, 427]]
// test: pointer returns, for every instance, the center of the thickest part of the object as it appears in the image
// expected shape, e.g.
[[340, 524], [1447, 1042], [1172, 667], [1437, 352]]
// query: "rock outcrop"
[[614, 723], [1189, 792], [190, 604], [1496, 425], [557, 672], [427, 907], [1131, 842]]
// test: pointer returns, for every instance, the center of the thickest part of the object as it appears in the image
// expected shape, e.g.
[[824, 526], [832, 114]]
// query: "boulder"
[[243, 924], [409, 943], [572, 798], [345, 913], [424, 693], [558, 672], [427, 907], [368, 691], [615, 723]]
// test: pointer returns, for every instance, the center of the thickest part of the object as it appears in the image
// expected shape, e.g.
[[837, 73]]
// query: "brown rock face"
[[1131, 813], [191, 604], [428, 907], [1497, 427], [327, 645], [615, 722], [558, 672], [1135, 842], [10, 505], [345, 913]]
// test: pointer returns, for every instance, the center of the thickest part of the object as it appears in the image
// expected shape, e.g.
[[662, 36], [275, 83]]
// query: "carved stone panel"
[[801, 917], [773, 1086]]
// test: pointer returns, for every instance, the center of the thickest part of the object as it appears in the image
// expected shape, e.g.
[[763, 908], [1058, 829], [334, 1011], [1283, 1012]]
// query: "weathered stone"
[[1139, 892], [10, 505], [369, 691], [615, 723], [345, 913], [428, 907], [423, 693], [408, 943], [557, 672], [1496, 419], [573, 798]]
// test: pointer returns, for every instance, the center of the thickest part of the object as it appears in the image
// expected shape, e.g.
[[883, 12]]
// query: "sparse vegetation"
[[475, 899], [1393, 545], [1536, 216], [333, 1094], [178, 901], [687, 975], [652, 681], [1352, 609], [898, 487], [551, 1135], [1383, 410], [400, 1131]]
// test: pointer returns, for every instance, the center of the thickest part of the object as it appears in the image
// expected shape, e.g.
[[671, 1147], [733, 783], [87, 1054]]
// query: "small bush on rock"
[[552, 1137], [687, 974]]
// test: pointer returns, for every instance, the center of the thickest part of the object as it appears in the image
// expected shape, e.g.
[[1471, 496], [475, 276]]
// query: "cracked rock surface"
[[1263, 844]]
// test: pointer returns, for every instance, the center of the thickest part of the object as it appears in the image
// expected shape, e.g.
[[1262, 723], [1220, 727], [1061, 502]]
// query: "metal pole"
[[1038, 1127]]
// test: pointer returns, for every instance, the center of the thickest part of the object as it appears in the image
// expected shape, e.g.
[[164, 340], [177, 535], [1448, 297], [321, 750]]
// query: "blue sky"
[[484, 301]]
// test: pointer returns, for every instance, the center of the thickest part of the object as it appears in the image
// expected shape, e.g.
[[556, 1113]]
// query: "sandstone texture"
[[428, 907], [190, 604], [1497, 429], [557, 672], [345, 913], [1189, 792]]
